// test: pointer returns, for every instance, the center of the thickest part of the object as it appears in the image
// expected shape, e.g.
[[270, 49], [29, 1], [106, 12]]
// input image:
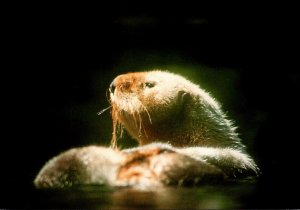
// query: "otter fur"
[[184, 138]]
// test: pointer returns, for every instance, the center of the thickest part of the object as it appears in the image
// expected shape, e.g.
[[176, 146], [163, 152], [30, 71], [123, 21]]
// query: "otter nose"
[[112, 86]]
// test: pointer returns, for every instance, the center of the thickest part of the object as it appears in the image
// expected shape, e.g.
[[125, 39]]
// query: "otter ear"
[[183, 96]]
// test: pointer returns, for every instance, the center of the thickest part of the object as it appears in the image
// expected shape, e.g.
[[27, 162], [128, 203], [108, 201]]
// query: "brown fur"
[[184, 138]]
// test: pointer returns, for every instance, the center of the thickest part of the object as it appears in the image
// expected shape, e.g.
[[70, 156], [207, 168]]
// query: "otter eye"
[[150, 84]]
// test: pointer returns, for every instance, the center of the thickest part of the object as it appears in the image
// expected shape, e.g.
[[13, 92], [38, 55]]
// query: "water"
[[98, 197]]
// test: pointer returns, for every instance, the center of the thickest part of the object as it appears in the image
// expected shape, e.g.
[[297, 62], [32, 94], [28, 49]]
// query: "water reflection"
[[95, 197]]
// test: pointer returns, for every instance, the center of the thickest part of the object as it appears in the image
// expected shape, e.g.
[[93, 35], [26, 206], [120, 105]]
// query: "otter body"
[[164, 107], [183, 134]]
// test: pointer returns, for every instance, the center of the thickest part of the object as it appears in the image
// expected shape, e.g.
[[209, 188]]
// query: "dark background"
[[58, 61]]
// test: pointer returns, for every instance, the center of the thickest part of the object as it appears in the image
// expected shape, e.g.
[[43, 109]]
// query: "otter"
[[184, 138]]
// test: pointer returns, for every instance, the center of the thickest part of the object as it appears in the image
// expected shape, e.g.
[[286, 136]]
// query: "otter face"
[[145, 100], [135, 92]]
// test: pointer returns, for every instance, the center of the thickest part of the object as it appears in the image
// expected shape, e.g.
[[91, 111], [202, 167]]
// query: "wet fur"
[[183, 134]]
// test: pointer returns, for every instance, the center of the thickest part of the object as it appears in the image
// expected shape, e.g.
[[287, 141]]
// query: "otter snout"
[[120, 85], [125, 83]]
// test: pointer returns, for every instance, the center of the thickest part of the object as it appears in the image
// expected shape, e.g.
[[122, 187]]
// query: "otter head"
[[146, 104]]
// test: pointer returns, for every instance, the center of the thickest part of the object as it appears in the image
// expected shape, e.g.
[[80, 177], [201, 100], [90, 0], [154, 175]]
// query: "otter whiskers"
[[146, 110], [104, 110], [117, 127]]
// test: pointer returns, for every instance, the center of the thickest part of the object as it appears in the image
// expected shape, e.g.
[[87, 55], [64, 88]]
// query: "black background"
[[58, 61]]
